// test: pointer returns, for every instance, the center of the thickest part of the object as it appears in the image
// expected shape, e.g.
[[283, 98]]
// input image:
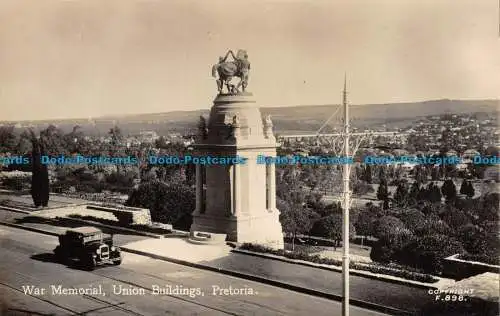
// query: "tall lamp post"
[[345, 216]]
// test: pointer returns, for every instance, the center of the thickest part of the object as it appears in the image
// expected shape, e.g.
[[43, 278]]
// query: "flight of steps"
[[204, 238]]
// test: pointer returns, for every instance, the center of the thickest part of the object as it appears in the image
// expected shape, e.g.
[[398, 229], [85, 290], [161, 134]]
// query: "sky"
[[78, 59]]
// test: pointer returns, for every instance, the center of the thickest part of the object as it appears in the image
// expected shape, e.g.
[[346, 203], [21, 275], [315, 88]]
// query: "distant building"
[[148, 136], [470, 153]]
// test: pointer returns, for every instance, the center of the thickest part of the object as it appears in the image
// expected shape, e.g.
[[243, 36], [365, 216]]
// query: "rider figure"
[[214, 72], [243, 67]]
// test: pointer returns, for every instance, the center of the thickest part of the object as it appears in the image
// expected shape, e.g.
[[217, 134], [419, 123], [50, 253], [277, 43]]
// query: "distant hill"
[[286, 119]]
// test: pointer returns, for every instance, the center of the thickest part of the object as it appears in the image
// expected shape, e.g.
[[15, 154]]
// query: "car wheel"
[[117, 262], [90, 263], [58, 254]]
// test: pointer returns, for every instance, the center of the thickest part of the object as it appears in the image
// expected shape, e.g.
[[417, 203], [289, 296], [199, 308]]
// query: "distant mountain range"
[[286, 119]]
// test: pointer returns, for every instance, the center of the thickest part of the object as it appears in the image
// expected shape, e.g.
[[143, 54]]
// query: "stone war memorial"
[[236, 202]]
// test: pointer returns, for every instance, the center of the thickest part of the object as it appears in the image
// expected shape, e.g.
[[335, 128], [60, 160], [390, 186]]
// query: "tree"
[[171, 204], [469, 190], [387, 226], [449, 190], [420, 174], [382, 173], [383, 193], [469, 235], [75, 142], [295, 219], [368, 174], [413, 195], [435, 173], [433, 225], [391, 247], [412, 218], [331, 227], [24, 145], [365, 223], [8, 139], [454, 218], [53, 140], [432, 193], [116, 135], [381, 251], [490, 205], [463, 187], [401, 195], [40, 175], [361, 188], [161, 142]]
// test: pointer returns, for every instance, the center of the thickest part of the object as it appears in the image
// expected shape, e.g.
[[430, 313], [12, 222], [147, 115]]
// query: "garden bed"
[[392, 270]]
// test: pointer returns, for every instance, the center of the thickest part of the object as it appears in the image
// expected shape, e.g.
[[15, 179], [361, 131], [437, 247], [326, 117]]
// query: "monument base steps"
[[264, 230]]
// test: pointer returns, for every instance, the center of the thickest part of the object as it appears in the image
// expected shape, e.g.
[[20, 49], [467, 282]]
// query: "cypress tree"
[[469, 190], [40, 175], [44, 179], [35, 173], [463, 187], [401, 195], [435, 194], [449, 190], [414, 191], [383, 194], [368, 174]]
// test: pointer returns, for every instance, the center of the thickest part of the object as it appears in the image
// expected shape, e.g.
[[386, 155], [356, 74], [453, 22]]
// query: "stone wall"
[[127, 215], [124, 215], [460, 269]]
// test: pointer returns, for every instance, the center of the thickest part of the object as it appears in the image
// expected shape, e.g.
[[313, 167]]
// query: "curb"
[[288, 286], [336, 269], [36, 230], [10, 209]]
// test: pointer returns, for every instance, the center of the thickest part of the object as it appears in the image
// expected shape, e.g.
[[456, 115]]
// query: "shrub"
[[170, 204], [362, 188], [429, 251], [16, 183], [381, 252], [388, 225]]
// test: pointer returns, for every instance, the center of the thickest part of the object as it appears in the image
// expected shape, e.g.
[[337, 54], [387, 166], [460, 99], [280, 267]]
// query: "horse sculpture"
[[226, 70]]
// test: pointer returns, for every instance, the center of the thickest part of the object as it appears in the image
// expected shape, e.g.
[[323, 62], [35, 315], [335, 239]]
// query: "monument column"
[[236, 190], [271, 187], [199, 189]]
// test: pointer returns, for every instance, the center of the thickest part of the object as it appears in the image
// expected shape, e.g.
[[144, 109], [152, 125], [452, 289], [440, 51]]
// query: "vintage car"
[[89, 245]]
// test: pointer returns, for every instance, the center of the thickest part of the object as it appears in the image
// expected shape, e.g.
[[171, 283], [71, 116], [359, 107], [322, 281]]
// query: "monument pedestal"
[[237, 199], [264, 230]]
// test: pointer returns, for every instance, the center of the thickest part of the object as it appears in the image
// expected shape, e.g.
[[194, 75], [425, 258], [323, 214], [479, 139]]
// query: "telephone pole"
[[346, 202]]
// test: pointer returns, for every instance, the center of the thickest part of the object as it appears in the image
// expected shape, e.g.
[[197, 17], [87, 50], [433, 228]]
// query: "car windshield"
[[92, 238]]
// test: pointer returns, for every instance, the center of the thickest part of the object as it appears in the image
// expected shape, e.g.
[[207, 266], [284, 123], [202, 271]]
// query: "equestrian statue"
[[226, 70]]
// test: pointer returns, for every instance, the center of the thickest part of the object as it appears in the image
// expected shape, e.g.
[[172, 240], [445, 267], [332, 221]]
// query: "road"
[[27, 260]]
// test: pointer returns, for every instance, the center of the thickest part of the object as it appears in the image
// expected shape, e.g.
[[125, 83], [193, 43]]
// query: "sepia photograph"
[[267, 157]]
